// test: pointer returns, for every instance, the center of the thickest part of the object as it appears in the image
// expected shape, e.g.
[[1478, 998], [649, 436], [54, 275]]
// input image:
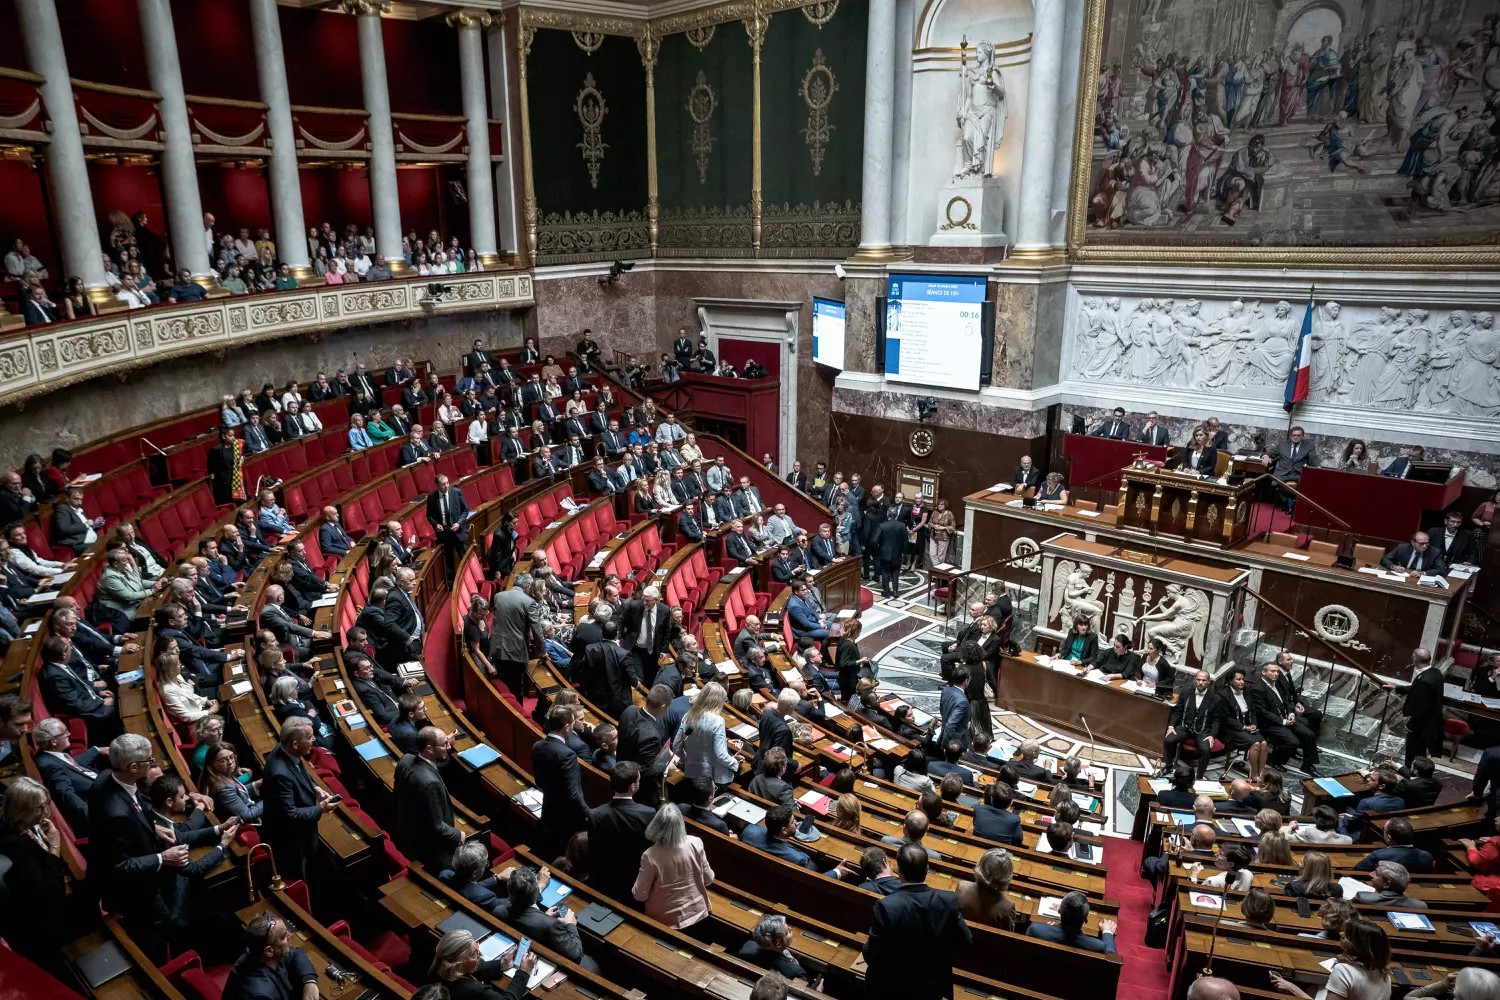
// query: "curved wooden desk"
[[1117, 716]]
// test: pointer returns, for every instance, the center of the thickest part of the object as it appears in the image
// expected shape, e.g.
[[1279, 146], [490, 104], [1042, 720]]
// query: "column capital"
[[649, 46], [756, 26], [367, 7], [480, 19]]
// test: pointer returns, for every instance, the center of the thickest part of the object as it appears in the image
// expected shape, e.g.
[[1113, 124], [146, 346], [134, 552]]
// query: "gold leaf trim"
[[588, 41], [699, 38], [590, 108], [701, 103], [817, 90], [820, 13]]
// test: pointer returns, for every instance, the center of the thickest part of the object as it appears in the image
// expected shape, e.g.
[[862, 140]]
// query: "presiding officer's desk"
[[1117, 715]]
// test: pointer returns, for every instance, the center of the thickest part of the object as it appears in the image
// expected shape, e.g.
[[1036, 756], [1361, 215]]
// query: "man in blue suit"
[[994, 820], [952, 753], [555, 767], [1400, 848], [332, 538], [807, 623], [914, 934], [774, 835], [1072, 914], [1382, 799], [953, 706]]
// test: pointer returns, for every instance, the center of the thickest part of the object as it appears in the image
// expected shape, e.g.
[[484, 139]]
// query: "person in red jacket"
[[1484, 858]]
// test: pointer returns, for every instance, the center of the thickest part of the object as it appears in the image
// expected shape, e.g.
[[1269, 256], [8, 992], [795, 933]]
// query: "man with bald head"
[[16, 501], [288, 631], [332, 538], [1415, 558], [1423, 708], [1238, 802], [1213, 988], [425, 828]]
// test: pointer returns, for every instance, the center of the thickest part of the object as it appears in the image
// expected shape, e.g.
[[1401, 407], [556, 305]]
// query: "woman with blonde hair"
[[846, 813], [661, 488], [178, 697], [456, 964], [675, 875], [986, 900], [1274, 849], [37, 879], [701, 741], [1315, 879]]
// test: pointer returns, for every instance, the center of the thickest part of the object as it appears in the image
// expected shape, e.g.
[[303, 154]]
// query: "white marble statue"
[[1391, 357], [1180, 619], [981, 114], [1077, 597]]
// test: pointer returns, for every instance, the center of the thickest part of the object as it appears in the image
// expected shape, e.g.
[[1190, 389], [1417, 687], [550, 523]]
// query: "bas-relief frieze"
[[1389, 357]]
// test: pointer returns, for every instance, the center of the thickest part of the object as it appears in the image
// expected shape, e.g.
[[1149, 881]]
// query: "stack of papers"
[[530, 799], [1001, 488], [1244, 827], [1049, 906], [1299, 556], [1160, 784], [1208, 786], [1408, 921], [1353, 886], [1026, 788], [326, 602], [816, 801], [237, 688]]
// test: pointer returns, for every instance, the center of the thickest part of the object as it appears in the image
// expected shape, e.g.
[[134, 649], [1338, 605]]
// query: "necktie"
[[1411, 562], [650, 620], [443, 507]]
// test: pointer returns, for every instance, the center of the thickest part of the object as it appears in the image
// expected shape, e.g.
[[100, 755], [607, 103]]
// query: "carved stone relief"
[[1373, 356]]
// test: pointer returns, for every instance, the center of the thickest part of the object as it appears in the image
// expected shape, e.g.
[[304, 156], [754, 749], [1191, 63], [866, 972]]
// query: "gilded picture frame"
[[1100, 231]]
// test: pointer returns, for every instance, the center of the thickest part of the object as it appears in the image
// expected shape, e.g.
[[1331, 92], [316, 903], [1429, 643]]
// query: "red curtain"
[[322, 58], [102, 39], [336, 195], [214, 48], [237, 196], [12, 52], [23, 211]]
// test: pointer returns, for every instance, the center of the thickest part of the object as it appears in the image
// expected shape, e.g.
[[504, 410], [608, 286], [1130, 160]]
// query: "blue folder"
[[371, 750], [479, 755]]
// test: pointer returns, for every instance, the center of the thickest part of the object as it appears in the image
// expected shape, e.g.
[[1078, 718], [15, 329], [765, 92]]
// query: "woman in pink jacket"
[[675, 876]]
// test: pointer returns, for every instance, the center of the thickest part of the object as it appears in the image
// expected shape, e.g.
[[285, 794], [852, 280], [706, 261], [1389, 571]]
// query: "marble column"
[[906, 25], [385, 200], [67, 172], [1034, 222], [507, 180], [1067, 112], [471, 25], [179, 167], [880, 96], [285, 184]]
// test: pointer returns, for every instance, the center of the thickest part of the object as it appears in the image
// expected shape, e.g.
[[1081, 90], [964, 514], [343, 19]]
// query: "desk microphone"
[[1085, 721]]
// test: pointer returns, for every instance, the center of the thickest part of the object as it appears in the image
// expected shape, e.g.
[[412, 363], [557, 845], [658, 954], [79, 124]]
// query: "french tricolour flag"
[[1300, 375]]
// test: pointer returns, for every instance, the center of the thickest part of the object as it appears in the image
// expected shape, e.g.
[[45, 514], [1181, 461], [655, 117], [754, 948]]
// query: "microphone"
[[1083, 719], [147, 441]]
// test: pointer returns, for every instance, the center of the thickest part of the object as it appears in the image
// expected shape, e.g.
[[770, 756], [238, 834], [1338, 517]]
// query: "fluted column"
[[285, 184], [1067, 113], [880, 98], [525, 34], [471, 25], [179, 167], [649, 47], [385, 201], [1034, 222], [67, 172], [504, 90]]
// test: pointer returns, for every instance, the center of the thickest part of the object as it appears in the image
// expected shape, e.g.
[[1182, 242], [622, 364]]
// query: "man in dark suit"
[[478, 356], [1072, 914], [605, 674], [393, 645], [1277, 718], [415, 450], [1416, 556], [71, 527], [994, 819], [67, 777], [797, 477], [914, 934], [554, 766], [617, 833], [937, 770], [822, 549], [644, 627], [448, 513], [1196, 717], [425, 829], [954, 709], [1455, 543], [126, 858], [1418, 787], [888, 544], [1423, 708], [1115, 427], [736, 545], [1401, 467], [555, 929], [642, 737], [1487, 780], [1288, 460], [1218, 437], [332, 538], [1400, 847], [774, 731], [289, 631], [1153, 433], [37, 309], [1380, 784], [604, 480], [65, 693], [377, 702], [293, 802]]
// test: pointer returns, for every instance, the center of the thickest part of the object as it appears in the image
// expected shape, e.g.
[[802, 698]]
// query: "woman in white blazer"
[[701, 741], [183, 704]]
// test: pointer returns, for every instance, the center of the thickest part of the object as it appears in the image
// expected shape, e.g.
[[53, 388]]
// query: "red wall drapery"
[[737, 352]]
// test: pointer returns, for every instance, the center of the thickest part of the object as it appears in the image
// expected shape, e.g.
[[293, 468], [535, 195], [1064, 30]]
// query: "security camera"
[[616, 269], [926, 407], [839, 272]]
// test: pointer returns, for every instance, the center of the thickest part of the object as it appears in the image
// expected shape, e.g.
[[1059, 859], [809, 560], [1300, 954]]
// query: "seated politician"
[[1414, 557]]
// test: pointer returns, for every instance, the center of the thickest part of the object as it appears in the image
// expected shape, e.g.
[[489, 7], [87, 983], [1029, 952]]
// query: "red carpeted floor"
[[1144, 976]]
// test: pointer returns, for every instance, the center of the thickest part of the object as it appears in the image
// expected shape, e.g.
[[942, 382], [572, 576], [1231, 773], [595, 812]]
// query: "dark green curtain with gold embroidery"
[[812, 80], [590, 184], [703, 140]]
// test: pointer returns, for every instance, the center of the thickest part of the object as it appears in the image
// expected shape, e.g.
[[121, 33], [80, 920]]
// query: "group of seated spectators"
[[139, 268]]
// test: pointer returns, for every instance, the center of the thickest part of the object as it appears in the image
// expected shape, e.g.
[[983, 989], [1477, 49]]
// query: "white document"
[[240, 687], [1087, 513], [1299, 556], [1001, 488], [1352, 886], [1207, 786]]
